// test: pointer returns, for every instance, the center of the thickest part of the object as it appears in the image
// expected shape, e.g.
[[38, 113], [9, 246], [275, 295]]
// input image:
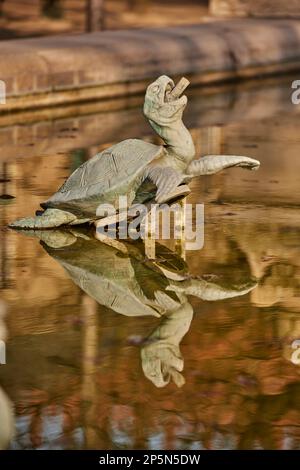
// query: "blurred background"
[[28, 18]]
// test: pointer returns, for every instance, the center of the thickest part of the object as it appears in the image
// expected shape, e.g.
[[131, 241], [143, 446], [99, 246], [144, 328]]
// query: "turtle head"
[[161, 107]]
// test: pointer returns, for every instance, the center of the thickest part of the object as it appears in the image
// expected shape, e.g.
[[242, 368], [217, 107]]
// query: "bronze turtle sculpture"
[[139, 170]]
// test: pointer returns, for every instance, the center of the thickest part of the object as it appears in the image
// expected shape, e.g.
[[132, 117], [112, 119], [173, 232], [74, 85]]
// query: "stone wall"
[[258, 8], [56, 71]]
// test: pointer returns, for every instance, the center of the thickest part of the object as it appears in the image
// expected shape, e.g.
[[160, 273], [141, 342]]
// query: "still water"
[[207, 361]]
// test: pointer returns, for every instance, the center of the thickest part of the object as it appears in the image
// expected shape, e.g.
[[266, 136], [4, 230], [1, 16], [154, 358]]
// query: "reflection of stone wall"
[[266, 8], [60, 129]]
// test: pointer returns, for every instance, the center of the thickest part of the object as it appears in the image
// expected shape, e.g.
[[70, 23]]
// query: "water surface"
[[75, 370]]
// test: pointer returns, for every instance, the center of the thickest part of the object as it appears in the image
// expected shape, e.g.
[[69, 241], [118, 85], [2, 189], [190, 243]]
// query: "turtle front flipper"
[[212, 164], [167, 181], [51, 218]]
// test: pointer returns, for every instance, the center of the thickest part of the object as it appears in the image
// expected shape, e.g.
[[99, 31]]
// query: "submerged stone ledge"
[[63, 70]]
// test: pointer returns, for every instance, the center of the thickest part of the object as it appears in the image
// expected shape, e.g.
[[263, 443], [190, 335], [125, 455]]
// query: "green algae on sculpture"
[[139, 170]]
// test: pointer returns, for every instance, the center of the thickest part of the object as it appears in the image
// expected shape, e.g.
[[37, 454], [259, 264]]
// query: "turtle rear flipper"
[[51, 218], [167, 181]]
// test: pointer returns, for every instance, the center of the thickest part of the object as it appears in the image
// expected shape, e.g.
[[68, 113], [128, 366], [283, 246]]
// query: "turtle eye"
[[155, 89]]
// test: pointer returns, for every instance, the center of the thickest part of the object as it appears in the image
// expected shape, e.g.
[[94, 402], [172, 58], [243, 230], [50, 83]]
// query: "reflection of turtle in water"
[[122, 279], [139, 170]]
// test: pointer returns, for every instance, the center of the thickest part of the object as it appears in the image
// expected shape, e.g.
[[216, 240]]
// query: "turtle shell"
[[111, 173], [111, 279]]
